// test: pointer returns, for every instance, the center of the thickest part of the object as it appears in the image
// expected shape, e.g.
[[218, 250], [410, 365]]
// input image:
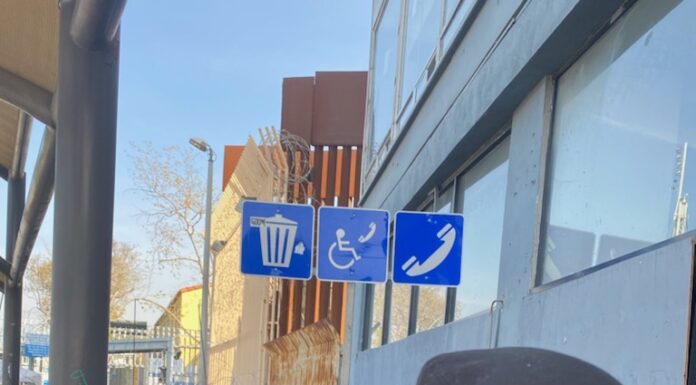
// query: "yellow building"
[[182, 319]]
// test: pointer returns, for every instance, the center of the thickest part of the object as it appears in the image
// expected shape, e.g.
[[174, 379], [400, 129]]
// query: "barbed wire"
[[298, 151]]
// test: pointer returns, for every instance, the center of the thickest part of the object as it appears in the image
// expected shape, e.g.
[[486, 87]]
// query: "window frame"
[[537, 284], [431, 199], [403, 116]]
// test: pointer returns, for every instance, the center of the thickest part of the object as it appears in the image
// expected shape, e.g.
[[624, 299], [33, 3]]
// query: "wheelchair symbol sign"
[[353, 244]]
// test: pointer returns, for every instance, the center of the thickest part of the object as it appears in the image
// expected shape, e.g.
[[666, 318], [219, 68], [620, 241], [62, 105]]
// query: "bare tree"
[[38, 286], [171, 183], [126, 275], [431, 310]]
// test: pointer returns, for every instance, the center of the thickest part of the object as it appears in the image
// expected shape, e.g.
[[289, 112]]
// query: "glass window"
[[431, 307], [450, 6], [481, 198], [454, 17], [422, 32], [432, 299], [400, 302], [444, 200], [377, 316], [384, 73], [619, 175]]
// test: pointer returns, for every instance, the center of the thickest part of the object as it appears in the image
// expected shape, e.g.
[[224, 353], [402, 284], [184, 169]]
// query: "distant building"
[[182, 319], [260, 326], [560, 130]]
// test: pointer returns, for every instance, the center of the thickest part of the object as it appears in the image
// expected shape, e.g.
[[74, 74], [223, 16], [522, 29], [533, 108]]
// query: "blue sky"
[[213, 69]]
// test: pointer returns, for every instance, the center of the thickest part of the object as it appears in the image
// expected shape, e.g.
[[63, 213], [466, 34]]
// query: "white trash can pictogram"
[[277, 236]]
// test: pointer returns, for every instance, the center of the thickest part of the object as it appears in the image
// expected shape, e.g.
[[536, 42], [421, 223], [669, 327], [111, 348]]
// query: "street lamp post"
[[201, 145]]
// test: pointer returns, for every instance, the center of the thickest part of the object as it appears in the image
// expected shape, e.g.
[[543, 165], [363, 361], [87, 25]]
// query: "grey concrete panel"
[[527, 143], [630, 319], [544, 38], [641, 302], [400, 362]]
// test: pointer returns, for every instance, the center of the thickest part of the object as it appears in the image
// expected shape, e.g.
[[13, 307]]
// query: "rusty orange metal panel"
[[358, 170], [297, 106], [284, 310], [339, 108], [343, 196], [232, 155], [336, 315], [317, 174], [331, 176], [310, 300], [296, 305], [323, 298]]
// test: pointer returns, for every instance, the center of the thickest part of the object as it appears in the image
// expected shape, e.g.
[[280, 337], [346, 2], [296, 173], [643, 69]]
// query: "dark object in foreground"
[[511, 366]]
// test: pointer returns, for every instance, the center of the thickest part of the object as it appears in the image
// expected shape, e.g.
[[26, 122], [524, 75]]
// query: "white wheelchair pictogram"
[[344, 246]]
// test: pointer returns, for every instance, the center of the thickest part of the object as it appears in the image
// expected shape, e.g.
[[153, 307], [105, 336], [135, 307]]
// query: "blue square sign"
[[427, 248], [353, 244], [277, 239]]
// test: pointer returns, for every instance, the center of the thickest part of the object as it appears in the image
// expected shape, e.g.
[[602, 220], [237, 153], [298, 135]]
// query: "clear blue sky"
[[213, 69]]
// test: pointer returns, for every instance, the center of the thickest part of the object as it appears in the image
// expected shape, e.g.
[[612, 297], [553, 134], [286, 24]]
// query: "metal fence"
[[143, 365]]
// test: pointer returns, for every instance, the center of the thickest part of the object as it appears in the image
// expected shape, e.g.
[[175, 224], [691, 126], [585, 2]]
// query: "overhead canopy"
[[28, 67]]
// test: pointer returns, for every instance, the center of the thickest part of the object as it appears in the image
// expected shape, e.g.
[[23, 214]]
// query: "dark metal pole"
[[86, 107], [13, 290]]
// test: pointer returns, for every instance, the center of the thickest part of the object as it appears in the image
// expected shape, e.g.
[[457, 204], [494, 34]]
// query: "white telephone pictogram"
[[370, 234], [413, 268]]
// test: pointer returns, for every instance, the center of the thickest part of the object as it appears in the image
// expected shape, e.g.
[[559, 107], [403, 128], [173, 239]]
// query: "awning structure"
[[59, 65]]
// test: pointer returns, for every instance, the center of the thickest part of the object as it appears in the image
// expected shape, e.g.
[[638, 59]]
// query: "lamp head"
[[199, 144]]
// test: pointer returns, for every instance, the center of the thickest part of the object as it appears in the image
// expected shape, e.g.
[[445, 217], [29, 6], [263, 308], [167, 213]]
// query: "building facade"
[[181, 319], [261, 327], [561, 130]]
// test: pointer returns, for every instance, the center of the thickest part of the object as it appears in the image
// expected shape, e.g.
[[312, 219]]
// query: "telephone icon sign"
[[428, 248]]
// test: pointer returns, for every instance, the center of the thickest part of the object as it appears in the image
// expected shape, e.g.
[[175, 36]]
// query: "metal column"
[[86, 104], [203, 359], [11, 343]]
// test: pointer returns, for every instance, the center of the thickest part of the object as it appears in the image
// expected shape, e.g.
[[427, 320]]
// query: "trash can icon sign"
[[277, 236]]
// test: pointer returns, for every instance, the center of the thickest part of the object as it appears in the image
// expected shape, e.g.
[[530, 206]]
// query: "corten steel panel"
[[304, 186], [317, 175], [323, 299], [339, 108], [232, 156], [343, 197], [296, 305], [338, 290], [331, 176], [356, 179], [296, 111], [284, 310], [310, 300]]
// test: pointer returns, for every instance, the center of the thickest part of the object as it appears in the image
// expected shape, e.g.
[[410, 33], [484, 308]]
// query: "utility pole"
[[201, 145]]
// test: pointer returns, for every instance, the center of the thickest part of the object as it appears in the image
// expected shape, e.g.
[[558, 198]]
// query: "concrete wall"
[[510, 47], [630, 319], [631, 316], [236, 354]]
